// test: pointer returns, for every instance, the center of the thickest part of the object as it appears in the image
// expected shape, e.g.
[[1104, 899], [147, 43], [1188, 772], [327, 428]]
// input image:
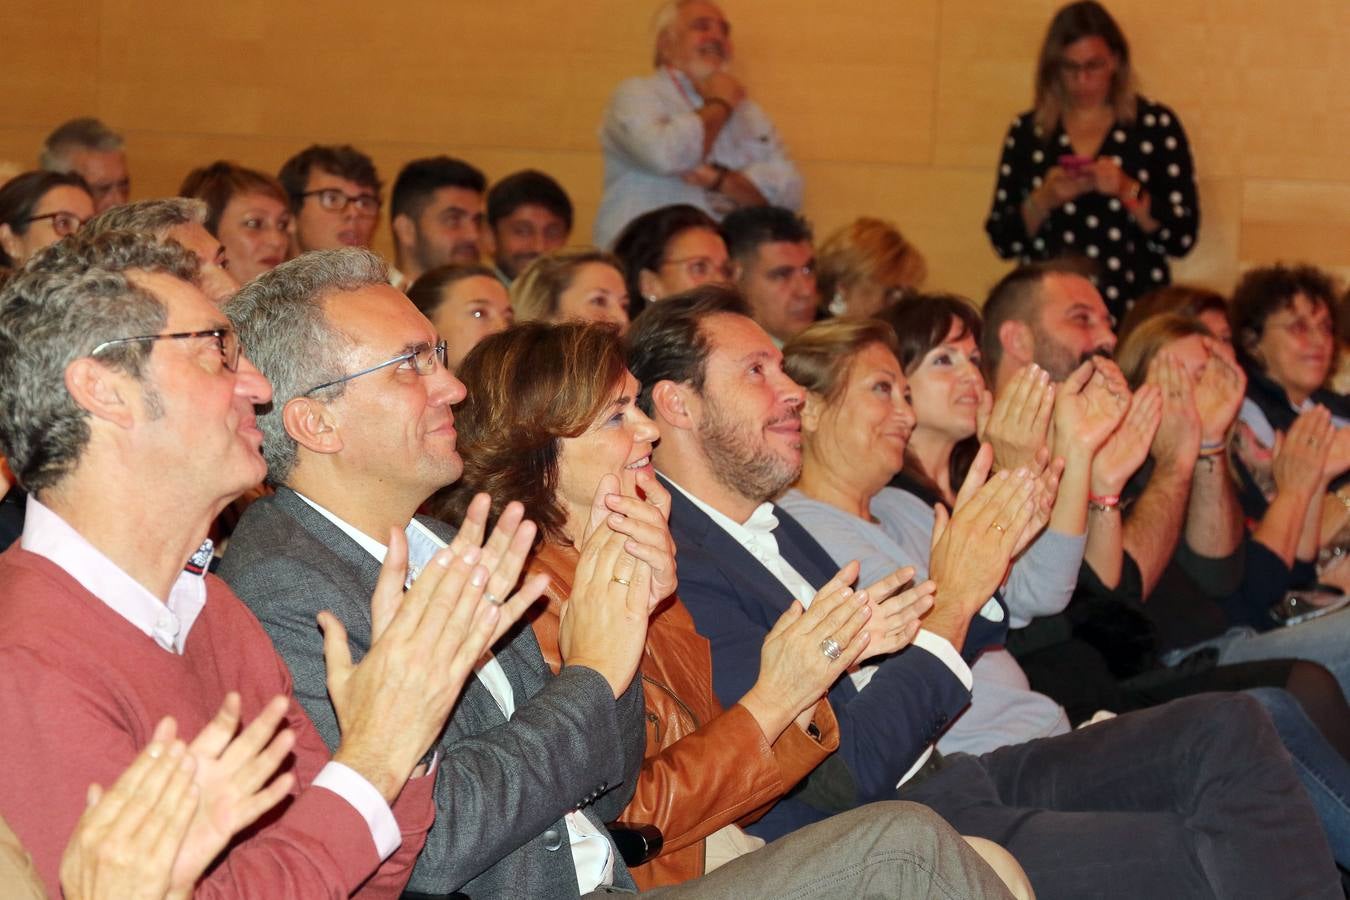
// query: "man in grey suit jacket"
[[531, 765]]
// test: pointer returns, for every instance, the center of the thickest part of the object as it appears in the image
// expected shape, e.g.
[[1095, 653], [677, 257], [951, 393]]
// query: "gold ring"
[[623, 581], [1001, 529]]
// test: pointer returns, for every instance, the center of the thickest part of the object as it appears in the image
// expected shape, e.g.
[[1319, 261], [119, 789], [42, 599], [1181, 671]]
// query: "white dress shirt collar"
[[756, 536], [48, 535], [592, 856]]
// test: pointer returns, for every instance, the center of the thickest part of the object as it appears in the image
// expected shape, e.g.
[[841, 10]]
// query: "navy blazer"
[[735, 601]]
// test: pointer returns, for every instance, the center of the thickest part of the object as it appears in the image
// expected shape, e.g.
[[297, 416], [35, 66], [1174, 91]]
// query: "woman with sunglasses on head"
[[552, 420], [668, 251], [38, 209], [1095, 169]]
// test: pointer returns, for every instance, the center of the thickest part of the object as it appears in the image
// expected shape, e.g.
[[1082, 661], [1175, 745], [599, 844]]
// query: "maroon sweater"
[[81, 690]]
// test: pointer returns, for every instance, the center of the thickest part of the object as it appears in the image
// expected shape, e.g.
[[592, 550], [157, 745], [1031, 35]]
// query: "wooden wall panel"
[[891, 109]]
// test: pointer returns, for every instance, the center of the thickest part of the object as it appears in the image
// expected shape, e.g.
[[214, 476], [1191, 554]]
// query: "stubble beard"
[[739, 462]]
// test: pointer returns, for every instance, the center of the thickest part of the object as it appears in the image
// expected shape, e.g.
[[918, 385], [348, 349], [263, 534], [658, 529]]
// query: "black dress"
[[1129, 263]]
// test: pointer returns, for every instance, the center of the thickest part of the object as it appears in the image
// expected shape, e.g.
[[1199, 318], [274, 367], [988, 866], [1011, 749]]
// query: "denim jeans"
[[1325, 640], [1324, 772]]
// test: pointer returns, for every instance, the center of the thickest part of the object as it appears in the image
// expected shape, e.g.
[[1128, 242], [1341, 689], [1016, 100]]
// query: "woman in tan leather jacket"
[[551, 420]]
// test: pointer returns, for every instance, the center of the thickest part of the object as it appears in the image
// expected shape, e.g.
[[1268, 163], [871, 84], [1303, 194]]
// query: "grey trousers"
[[891, 849]]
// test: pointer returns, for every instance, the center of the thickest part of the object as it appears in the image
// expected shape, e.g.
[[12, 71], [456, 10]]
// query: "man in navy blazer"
[[1195, 798]]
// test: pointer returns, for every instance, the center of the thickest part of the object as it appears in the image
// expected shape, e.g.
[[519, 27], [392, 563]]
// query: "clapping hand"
[[973, 547], [503, 556], [425, 642], [1179, 434], [1218, 394], [1089, 405], [897, 607], [233, 771], [1017, 422], [604, 622], [645, 522], [807, 650], [1127, 447], [1301, 454], [126, 842]]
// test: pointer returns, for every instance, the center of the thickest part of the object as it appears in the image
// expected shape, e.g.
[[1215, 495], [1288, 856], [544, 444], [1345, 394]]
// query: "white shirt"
[[592, 855], [48, 535], [652, 135], [756, 536]]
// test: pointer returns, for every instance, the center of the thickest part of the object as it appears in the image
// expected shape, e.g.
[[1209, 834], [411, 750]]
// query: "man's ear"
[[670, 404], [811, 411], [1017, 342], [103, 392], [311, 424], [405, 230], [737, 270]]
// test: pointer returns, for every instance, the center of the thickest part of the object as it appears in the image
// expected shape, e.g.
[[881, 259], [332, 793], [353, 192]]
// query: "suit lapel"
[[476, 709]]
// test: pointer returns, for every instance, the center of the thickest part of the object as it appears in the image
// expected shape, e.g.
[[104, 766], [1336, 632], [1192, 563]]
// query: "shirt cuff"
[[942, 648], [361, 794]]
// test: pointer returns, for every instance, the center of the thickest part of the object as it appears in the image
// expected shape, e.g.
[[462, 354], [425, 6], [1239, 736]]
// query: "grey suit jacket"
[[503, 786]]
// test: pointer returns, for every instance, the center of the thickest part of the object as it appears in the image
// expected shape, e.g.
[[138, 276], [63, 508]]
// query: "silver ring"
[[623, 581], [492, 598], [831, 648]]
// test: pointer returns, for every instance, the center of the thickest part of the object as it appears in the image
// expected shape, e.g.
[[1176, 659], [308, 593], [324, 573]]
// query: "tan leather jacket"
[[705, 768]]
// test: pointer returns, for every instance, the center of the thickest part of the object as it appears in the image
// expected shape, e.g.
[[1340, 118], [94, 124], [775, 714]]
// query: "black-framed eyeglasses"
[[424, 358], [63, 223], [228, 342], [335, 200]]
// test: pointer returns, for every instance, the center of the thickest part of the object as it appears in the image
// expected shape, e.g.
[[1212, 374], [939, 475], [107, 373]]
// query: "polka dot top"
[[1128, 262]]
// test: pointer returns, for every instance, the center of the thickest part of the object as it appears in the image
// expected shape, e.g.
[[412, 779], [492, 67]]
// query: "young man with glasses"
[[335, 197]]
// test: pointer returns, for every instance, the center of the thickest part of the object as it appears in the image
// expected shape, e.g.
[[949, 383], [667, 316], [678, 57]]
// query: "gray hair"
[[662, 21], [85, 133], [68, 299], [281, 321], [153, 217]]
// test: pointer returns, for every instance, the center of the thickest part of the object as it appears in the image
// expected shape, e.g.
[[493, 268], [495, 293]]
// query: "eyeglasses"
[[63, 223], [228, 342], [702, 268], [424, 358], [1304, 329], [1090, 67], [335, 200]]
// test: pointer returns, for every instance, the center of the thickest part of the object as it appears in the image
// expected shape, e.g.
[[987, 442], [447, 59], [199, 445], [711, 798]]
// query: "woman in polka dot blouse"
[[1095, 170]]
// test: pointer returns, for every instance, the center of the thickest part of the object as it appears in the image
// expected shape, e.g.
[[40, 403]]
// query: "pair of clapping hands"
[[1091, 420], [1197, 410]]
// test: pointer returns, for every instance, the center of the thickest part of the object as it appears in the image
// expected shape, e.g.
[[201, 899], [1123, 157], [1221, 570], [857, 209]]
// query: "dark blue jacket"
[[735, 601]]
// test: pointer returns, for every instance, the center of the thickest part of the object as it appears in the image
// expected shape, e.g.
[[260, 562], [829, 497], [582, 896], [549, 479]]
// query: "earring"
[[650, 298], [837, 306]]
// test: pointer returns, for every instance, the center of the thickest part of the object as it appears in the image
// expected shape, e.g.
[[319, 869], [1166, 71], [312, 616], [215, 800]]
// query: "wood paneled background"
[[890, 108]]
